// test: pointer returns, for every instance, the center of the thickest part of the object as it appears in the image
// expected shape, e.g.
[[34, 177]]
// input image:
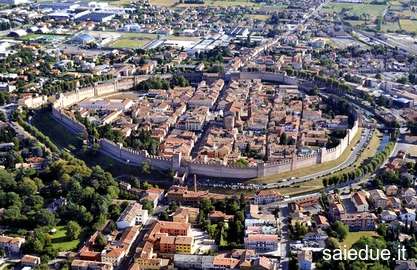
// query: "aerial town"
[[208, 134]]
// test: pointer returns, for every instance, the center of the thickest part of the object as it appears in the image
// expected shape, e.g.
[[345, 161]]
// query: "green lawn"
[[60, 241], [128, 43], [51, 128], [132, 40], [353, 237]]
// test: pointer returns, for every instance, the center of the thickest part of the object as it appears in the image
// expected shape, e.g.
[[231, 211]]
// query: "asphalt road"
[[366, 135]]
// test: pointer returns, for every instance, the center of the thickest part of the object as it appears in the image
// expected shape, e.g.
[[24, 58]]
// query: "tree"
[[147, 205], [45, 218], [73, 230], [101, 241], [283, 139], [412, 127], [341, 230], [146, 168], [164, 215]]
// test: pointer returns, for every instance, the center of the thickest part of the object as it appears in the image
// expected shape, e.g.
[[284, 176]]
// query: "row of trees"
[[142, 140], [66, 84], [159, 83], [368, 166]]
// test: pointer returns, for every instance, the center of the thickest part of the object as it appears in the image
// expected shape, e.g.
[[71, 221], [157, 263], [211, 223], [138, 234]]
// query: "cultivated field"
[[356, 9], [163, 3], [228, 3], [409, 25]]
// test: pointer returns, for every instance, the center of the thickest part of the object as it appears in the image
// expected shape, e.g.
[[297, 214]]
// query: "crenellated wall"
[[73, 125], [216, 170], [99, 89], [134, 157]]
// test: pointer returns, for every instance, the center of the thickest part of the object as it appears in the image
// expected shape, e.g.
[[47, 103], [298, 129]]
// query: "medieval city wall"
[[224, 171], [134, 157], [130, 156]]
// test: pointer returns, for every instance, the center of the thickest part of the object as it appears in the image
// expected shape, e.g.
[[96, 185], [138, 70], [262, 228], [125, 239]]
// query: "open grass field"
[[163, 3], [353, 237], [132, 40], [57, 132], [357, 9], [390, 27], [371, 149], [60, 241], [42, 37], [409, 25], [259, 17], [128, 43]]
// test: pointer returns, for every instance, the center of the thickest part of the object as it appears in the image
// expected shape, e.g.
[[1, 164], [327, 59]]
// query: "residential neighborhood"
[[208, 134]]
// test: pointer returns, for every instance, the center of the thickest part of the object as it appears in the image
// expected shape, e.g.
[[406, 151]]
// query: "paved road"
[[366, 135], [282, 36]]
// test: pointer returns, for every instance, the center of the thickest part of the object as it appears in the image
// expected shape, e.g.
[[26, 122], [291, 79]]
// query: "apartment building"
[[261, 242], [363, 221]]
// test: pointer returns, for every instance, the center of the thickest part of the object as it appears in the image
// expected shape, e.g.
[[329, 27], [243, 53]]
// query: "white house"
[[132, 215], [11, 244], [305, 260], [409, 192], [262, 242], [408, 215], [388, 216], [359, 200], [266, 196], [6, 87]]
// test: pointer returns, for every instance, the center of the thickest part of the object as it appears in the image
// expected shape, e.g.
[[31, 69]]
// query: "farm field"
[[216, 3], [163, 3], [409, 25], [357, 9], [390, 27]]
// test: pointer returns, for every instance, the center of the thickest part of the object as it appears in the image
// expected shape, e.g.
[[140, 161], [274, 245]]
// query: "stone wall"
[[72, 125], [216, 170], [134, 157], [130, 156]]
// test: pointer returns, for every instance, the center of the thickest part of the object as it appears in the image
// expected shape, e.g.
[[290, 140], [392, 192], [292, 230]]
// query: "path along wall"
[[130, 156]]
